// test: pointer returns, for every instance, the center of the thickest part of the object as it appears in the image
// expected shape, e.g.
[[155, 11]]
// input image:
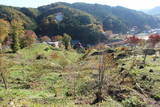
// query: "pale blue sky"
[[133, 4]]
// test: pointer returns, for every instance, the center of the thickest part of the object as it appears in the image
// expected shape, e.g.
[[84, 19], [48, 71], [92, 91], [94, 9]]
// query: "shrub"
[[45, 39], [156, 96], [64, 62], [47, 49], [40, 56], [66, 41], [27, 39], [122, 49], [57, 38], [80, 50], [133, 102], [121, 56], [54, 55]]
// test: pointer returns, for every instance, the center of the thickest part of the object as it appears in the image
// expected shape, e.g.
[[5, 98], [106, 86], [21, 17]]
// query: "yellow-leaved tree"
[[4, 30]]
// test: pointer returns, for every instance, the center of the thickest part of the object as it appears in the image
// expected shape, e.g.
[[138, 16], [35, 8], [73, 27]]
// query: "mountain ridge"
[[154, 11]]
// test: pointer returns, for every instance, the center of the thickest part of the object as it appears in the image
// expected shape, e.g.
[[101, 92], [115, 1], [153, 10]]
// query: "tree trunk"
[[66, 46], [4, 81], [144, 61]]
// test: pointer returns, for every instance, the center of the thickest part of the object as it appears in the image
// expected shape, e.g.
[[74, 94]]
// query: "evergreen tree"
[[66, 40], [15, 45], [17, 31]]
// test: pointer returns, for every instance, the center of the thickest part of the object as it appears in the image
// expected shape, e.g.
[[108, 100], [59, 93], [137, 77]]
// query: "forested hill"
[[118, 19], [82, 21], [9, 13]]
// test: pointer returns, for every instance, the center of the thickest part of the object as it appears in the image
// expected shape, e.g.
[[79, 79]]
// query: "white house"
[[55, 44], [59, 17]]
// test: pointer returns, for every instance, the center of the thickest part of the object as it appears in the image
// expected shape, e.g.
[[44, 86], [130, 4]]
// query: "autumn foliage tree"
[[45, 39], [4, 29], [28, 38], [57, 38], [154, 39], [133, 40]]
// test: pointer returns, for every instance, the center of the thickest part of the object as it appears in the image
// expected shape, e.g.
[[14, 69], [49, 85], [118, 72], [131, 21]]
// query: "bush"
[[86, 88], [47, 49], [64, 62], [80, 50], [54, 55], [121, 56], [119, 49], [40, 56], [133, 102], [156, 96]]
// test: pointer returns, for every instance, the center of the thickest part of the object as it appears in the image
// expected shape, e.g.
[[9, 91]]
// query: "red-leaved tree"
[[154, 39], [28, 38], [133, 40]]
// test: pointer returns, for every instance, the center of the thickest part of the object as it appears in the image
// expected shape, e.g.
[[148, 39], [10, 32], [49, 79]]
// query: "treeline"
[[15, 36]]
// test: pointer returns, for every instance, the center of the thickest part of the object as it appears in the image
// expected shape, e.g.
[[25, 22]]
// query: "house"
[[143, 36], [117, 43], [59, 17], [55, 44]]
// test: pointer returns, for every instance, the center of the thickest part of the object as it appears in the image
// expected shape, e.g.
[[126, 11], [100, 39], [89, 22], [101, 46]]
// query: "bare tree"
[[3, 70], [106, 64]]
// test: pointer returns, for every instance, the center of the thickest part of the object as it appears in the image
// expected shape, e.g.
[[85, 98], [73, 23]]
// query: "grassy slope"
[[148, 81], [25, 71], [35, 83], [49, 81]]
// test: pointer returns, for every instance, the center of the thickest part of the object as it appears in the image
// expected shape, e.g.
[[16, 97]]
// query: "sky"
[[132, 4]]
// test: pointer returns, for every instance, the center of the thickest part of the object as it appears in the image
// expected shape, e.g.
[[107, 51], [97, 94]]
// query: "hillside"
[[118, 19], [10, 13], [79, 20], [41, 65], [44, 76], [79, 24]]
